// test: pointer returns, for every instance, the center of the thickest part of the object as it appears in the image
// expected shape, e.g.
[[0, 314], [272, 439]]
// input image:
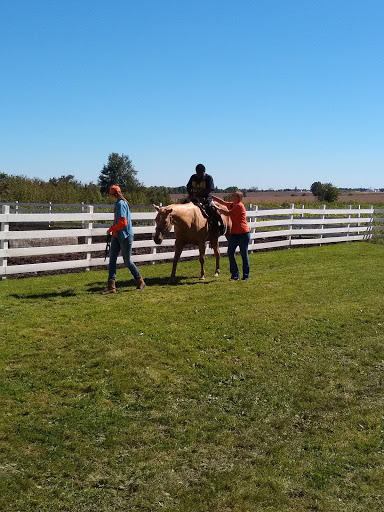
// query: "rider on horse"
[[199, 188]]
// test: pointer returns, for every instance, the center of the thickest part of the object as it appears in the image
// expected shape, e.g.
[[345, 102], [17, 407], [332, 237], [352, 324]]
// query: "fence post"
[[323, 207], [154, 248], [88, 239], [82, 211], [256, 208], [16, 206], [349, 218], [358, 216], [4, 228], [291, 225], [369, 230]]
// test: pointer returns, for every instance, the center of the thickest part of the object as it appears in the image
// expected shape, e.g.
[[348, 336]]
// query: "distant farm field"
[[292, 196], [215, 396]]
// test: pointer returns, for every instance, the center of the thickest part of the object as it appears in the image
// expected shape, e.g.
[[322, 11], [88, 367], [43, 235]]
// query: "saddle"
[[216, 224]]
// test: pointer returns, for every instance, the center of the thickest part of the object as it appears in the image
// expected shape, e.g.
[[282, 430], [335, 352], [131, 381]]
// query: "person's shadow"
[[48, 295]]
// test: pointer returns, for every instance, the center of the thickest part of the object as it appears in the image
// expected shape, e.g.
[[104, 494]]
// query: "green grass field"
[[210, 396]]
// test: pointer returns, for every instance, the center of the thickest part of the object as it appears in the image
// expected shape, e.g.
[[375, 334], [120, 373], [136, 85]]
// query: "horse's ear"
[[157, 208]]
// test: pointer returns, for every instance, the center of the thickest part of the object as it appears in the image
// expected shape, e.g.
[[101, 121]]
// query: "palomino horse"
[[191, 227]]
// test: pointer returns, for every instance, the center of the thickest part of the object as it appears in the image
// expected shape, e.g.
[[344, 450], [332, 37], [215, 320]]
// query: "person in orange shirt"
[[240, 236]]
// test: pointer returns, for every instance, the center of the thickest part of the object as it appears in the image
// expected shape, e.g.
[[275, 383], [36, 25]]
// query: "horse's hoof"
[[216, 275], [202, 278]]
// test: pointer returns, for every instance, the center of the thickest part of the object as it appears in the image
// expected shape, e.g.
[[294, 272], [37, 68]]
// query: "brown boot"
[[111, 288], [140, 284]]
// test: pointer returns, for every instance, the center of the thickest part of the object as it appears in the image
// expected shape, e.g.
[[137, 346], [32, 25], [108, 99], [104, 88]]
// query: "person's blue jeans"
[[242, 241], [126, 250]]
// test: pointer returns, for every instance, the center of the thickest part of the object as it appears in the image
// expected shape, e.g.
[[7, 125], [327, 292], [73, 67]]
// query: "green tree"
[[3, 186], [325, 191], [69, 179], [118, 171], [315, 187], [178, 190], [158, 195]]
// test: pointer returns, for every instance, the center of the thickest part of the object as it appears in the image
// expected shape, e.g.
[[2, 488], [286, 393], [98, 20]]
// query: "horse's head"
[[163, 223]]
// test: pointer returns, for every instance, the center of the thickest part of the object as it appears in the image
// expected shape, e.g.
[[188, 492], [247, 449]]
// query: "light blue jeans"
[[126, 249], [242, 241]]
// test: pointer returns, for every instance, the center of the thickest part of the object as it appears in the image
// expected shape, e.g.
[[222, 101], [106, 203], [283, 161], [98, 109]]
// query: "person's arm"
[[118, 226], [228, 213], [121, 213], [219, 200], [210, 185], [189, 186]]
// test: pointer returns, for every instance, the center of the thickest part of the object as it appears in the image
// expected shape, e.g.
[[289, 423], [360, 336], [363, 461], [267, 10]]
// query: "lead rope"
[[108, 246]]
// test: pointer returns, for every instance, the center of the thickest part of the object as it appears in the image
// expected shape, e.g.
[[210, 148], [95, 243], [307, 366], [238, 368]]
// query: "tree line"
[[118, 171], [66, 189]]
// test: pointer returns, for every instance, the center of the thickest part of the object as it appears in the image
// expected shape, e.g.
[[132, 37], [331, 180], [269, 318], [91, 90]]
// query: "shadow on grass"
[[97, 287], [50, 295], [164, 281]]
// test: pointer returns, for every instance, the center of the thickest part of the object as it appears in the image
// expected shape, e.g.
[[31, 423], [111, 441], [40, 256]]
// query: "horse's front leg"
[[216, 250], [178, 250], [202, 260]]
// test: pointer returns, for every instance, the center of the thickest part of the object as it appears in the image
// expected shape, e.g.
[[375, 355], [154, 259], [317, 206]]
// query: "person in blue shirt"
[[122, 238]]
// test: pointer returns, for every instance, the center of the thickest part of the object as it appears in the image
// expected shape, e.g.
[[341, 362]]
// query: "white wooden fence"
[[74, 238]]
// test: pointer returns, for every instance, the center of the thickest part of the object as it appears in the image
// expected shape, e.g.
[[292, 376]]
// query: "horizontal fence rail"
[[44, 238]]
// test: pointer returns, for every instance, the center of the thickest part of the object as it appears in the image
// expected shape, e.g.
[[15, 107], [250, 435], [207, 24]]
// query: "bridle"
[[167, 228]]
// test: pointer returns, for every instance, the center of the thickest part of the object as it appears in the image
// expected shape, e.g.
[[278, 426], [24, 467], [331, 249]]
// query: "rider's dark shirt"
[[200, 186]]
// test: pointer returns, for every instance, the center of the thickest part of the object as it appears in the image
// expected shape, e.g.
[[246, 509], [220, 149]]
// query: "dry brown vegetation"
[[292, 196]]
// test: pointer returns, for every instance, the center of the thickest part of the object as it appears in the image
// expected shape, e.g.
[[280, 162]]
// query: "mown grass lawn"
[[218, 396]]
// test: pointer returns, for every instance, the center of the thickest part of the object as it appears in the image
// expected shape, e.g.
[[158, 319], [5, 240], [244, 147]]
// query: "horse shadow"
[[98, 286]]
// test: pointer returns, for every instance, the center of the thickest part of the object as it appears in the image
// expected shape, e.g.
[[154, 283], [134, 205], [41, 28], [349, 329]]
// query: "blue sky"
[[265, 93]]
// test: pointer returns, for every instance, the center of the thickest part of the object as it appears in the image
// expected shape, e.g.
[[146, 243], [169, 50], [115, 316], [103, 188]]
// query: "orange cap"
[[114, 189]]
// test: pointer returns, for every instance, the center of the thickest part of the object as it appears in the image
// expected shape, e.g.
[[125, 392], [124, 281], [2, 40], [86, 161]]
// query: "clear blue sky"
[[265, 93]]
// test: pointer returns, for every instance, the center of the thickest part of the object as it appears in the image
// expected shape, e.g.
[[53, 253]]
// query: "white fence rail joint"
[[73, 237]]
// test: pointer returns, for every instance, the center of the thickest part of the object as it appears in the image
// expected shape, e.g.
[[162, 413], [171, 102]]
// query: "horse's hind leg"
[[216, 250]]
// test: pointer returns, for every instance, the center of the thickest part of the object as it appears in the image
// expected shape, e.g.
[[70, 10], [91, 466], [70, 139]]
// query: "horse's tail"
[[224, 228]]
